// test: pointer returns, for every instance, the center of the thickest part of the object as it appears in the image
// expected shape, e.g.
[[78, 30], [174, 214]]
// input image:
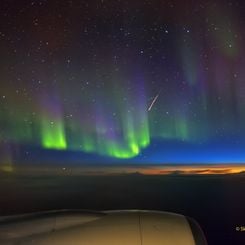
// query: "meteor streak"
[[153, 102]]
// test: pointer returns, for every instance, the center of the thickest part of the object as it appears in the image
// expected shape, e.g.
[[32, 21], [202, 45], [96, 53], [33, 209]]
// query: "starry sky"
[[141, 81]]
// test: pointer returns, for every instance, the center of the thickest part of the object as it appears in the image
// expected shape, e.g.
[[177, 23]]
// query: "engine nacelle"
[[131, 227]]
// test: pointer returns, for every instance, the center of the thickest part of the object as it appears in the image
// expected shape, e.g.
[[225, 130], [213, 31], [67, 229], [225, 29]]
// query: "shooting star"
[[153, 102]]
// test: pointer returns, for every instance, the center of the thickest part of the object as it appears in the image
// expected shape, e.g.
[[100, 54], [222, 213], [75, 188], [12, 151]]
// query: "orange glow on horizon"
[[199, 170], [119, 170]]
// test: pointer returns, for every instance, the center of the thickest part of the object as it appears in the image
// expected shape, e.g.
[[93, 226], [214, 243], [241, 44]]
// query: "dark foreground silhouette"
[[216, 201]]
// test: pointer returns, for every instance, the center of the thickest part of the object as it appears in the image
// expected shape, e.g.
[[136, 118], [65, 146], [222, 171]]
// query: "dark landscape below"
[[216, 201]]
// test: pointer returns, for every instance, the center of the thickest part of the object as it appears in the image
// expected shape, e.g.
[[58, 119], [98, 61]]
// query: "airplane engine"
[[126, 227]]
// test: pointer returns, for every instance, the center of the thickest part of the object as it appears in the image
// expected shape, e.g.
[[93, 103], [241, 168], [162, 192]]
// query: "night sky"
[[122, 81]]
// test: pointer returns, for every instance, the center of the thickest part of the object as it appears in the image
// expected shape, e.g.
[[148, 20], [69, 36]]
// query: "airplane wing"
[[125, 227]]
